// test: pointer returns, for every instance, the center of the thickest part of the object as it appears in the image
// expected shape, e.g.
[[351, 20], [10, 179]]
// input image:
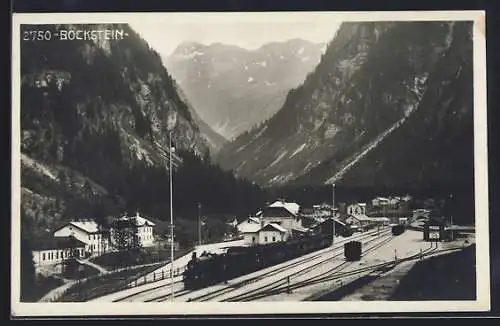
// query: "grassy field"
[[447, 277], [104, 284]]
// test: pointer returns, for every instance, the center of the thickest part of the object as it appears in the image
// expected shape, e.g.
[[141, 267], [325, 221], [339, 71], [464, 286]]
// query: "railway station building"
[[57, 250]]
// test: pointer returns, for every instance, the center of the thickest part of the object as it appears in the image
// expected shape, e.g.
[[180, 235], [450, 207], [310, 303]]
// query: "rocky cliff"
[[95, 120], [387, 85]]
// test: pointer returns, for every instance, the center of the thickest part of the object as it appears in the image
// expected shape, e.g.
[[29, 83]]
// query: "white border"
[[130, 309]]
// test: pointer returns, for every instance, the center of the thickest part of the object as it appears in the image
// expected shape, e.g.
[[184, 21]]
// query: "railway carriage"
[[237, 261]]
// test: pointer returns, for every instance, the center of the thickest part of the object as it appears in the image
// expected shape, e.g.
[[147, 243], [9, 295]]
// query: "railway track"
[[374, 271], [225, 290], [261, 273], [283, 282], [142, 292]]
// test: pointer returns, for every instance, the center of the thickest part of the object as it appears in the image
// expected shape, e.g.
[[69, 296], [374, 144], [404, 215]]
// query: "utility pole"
[[171, 217], [199, 224], [333, 212]]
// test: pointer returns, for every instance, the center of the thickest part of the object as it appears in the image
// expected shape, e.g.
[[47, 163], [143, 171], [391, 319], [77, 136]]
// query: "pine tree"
[[87, 190]]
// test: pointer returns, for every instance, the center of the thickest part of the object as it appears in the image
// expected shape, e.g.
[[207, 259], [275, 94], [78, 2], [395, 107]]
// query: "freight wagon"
[[352, 250], [398, 229]]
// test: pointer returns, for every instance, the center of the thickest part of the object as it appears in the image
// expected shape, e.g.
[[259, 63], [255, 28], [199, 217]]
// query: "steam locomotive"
[[211, 269]]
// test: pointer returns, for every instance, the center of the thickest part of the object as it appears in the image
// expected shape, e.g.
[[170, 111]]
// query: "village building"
[[326, 227], [419, 214], [260, 235], [57, 250], [291, 207], [282, 216], [95, 237], [380, 201], [250, 233], [316, 211], [248, 224], [272, 233], [356, 209], [359, 221], [142, 227]]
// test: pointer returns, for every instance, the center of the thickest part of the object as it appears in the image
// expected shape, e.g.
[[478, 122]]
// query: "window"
[[90, 237], [43, 256], [274, 239], [265, 239], [253, 239], [57, 254]]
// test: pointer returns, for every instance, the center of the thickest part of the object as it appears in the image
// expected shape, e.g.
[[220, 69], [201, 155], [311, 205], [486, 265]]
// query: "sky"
[[164, 37]]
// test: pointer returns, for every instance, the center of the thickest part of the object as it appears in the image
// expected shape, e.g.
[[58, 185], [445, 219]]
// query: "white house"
[[291, 207], [56, 250], [269, 233], [143, 228], [359, 220], [248, 224], [250, 235], [282, 216], [87, 231], [380, 201], [356, 209]]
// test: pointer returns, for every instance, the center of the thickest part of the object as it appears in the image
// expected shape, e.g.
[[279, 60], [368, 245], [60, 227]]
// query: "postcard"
[[249, 163]]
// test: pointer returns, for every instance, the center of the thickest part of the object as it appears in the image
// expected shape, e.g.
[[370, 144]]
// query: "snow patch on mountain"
[[298, 150], [279, 158]]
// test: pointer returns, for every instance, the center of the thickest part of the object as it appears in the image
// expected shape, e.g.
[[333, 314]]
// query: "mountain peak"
[[187, 47], [220, 76]]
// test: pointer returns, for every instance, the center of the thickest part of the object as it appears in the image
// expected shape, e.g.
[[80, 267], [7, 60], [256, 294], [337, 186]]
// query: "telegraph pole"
[[171, 218], [199, 224], [333, 212]]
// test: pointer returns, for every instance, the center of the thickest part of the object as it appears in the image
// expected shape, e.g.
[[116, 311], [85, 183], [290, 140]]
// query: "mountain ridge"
[[234, 89], [327, 120]]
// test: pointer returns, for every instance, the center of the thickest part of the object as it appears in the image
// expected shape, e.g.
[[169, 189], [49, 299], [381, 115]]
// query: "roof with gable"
[[249, 220], [88, 226], [271, 226], [277, 211], [249, 228], [58, 243], [291, 207], [141, 221], [136, 220], [360, 217], [328, 220]]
